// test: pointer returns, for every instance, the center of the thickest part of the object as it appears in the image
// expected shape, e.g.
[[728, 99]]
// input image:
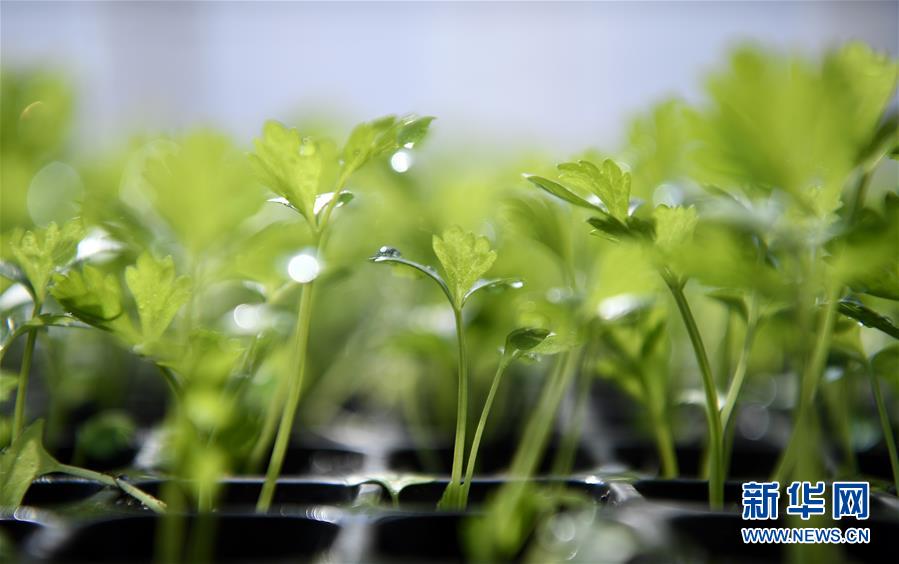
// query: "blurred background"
[[552, 76]]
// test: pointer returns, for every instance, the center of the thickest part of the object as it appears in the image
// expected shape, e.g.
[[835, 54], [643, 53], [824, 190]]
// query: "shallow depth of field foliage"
[[739, 251]]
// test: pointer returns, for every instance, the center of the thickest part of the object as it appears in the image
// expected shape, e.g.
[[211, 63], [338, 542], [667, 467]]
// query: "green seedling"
[[606, 190], [43, 265], [310, 177], [518, 343], [465, 258]]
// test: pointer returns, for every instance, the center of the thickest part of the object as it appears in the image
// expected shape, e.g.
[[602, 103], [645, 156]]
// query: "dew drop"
[[248, 317], [401, 161], [304, 268], [388, 252]]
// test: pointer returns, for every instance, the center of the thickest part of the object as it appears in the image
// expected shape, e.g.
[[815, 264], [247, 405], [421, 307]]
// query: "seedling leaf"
[[524, 340], [296, 168], [89, 295], [609, 183], [868, 317], [561, 192], [40, 252], [393, 256], [21, 463], [158, 293], [492, 284], [674, 227], [465, 257], [381, 136], [37, 322]]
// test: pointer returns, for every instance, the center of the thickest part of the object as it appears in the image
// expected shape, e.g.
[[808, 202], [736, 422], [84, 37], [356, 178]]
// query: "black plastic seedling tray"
[[349, 514]]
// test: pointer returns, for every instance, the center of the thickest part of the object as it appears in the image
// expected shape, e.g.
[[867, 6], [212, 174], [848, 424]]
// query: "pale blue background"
[[541, 74]]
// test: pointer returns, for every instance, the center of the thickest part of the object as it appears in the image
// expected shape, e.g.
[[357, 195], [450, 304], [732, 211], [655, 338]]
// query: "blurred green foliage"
[[774, 188]]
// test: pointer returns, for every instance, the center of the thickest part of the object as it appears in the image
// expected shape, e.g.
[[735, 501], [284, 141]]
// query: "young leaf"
[[561, 192], [381, 136], [40, 252], [12, 332], [294, 167], [674, 227], [158, 293], [89, 295], [21, 463], [868, 317], [492, 284], [524, 340], [465, 258], [412, 131], [609, 183], [393, 256]]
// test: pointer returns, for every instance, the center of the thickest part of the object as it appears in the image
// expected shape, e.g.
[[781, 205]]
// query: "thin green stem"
[[135, 492], [267, 435], [736, 383], [665, 445], [716, 477], [809, 386], [295, 387], [452, 498], [886, 427], [537, 431], [18, 423], [568, 447], [482, 423]]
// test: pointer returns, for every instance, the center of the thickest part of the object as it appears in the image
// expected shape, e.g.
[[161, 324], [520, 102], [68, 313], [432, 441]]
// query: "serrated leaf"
[[40, 252], [159, 294], [465, 257], [390, 255], [378, 137], [411, 132], [89, 295], [674, 227], [608, 182], [21, 463], [868, 317], [294, 167], [561, 192]]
